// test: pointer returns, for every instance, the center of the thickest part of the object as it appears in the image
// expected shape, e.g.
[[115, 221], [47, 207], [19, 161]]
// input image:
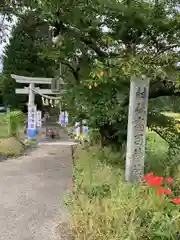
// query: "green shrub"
[[105, 207], [94, 136], [15, 120], [3, 127]]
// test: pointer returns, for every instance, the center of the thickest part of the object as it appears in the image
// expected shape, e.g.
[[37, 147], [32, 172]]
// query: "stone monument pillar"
[[137, 123]]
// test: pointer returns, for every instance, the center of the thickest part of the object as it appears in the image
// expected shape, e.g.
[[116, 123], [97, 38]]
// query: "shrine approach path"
[[32, 189]]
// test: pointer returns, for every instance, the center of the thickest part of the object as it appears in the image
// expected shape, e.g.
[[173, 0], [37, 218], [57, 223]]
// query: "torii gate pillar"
[[31, 131], [31, 95]]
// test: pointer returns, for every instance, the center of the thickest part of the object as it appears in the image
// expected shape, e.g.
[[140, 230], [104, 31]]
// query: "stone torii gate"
[[44, 93]]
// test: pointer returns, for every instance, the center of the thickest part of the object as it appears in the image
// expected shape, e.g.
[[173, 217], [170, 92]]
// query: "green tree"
[[22, 55], [122, 39]]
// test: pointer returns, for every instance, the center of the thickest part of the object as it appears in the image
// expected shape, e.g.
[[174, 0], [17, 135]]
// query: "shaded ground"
[[31, 191]]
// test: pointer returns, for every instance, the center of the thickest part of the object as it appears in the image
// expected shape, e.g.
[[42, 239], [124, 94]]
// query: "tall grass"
[[10, 128], [3, 127], [104, 207], [11, 124], [160, 158]]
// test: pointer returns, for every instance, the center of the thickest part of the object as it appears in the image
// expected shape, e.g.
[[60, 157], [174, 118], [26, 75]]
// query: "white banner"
[[66, 117], [77, 129], [39, 119], [61, 120], [32, 117]]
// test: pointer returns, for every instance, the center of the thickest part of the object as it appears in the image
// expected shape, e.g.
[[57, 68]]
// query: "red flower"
[[161, 191], [153, 181], [176, 201], [148, 176], [169, 180]]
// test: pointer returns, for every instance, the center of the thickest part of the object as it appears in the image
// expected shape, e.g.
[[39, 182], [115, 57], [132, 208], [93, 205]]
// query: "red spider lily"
[[176, 201], [101, 73], [155, 181], [148, 176], [169, 180], [165, 191]]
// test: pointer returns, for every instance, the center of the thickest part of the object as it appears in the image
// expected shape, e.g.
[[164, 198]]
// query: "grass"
[[3, 127], [9, 146], [104, 207], [173, 115]]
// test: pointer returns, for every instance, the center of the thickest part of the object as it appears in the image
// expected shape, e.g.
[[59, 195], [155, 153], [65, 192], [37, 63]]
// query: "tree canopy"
[[101, 44], [22, 55]]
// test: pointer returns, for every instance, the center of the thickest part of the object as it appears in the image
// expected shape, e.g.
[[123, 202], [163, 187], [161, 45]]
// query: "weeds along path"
[[32, 189]]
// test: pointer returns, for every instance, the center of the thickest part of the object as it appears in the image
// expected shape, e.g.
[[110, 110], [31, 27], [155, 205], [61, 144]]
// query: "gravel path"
[[32, 189]]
